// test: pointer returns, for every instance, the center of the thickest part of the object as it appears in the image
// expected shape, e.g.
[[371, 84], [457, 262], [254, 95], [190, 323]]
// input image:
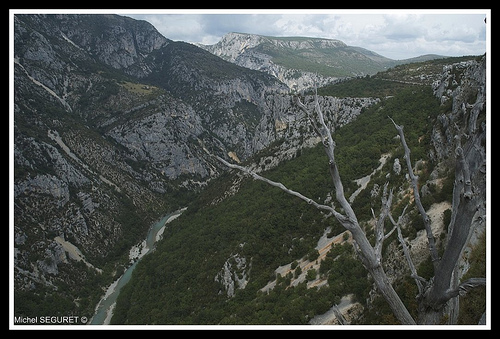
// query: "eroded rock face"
[[461, 87], [111, 120], [234, 274], [307, 56]]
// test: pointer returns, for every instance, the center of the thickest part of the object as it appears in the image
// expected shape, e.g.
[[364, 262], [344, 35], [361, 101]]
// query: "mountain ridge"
[[302, 62], [112, 123], [111, 126]]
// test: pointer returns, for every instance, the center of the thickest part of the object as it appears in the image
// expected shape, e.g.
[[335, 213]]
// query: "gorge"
[[114, 124]]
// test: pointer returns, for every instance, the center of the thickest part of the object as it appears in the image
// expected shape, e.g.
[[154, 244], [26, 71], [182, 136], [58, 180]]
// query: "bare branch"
[[329, 145], [406, 252], [465, 287], [469, 284], [465, 172], [416, 194], [349, 221], [311, 118], [379, 227], [389, 233], [282, 187]]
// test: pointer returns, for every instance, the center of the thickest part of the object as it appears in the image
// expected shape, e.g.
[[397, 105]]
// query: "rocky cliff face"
[[462, 87], [300, 63], [111, 123], [459, 127]]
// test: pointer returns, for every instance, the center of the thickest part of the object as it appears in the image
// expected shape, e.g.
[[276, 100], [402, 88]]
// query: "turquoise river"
[[104, 309]]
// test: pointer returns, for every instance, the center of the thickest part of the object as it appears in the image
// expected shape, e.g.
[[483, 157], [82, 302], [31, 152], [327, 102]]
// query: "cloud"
[[303, 25], [220, 24], [466, 29], [175, 27], [403, 27], [405, 35], [395, 34]]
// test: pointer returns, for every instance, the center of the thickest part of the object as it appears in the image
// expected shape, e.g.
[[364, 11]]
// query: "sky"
[[396, 34]]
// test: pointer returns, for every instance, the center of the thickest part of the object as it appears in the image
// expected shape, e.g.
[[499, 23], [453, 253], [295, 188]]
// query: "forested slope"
[[264, 228]]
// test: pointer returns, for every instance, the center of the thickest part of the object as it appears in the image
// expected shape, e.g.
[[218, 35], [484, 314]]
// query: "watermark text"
[[50, 320]]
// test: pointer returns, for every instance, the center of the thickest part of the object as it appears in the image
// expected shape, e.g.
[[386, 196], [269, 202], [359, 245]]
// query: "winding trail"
[[363, 182]]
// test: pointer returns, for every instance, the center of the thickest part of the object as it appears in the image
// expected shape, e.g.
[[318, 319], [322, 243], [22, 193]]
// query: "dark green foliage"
[[347, 274], [361, 143], [59, 301], [362, 87], [206, 236], [391, 81], [176, 284]]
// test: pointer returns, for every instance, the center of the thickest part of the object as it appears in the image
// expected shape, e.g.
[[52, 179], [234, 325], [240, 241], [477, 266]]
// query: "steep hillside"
[[111, 123], [298, 61], [102, 149], [247, 253], [301, 62], [113, 126]]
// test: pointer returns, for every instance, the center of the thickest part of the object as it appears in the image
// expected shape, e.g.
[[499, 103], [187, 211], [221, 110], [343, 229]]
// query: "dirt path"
[[363, 182], [324, 245]]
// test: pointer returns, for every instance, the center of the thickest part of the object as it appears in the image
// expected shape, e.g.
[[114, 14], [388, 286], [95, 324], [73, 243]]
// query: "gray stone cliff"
[[111, 123]]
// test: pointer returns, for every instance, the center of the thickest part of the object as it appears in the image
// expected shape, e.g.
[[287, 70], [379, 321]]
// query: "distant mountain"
[[111, 126], [112, 123], [246, 253], [302, 62], [421, 58]]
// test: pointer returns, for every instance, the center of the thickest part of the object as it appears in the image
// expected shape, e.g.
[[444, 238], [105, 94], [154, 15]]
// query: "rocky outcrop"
[[112, 122], [234, 274], [300, 63], [242, 49], [462, 87], [111, 126]]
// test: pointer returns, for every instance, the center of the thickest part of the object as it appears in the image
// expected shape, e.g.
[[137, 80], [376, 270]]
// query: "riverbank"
[[141, 249], [104, 308]]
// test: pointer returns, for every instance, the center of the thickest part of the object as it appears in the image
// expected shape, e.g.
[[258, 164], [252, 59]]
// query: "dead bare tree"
[[434, 294], [466, 205]]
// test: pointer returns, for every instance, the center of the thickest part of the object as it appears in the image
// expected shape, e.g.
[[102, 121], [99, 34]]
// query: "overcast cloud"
[[396, 34]]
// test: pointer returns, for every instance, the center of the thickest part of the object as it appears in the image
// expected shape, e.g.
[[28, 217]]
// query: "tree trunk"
[[385, 288], [469, 192], [374, 266], [439, 290]]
